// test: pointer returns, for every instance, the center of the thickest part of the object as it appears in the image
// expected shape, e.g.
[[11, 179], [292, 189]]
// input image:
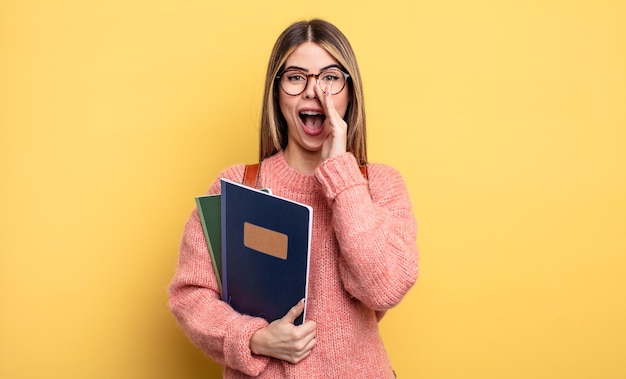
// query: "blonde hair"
[[273, 131]]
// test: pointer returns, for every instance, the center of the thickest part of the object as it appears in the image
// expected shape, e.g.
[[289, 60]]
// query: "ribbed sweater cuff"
[[237, 352], [338, 174]]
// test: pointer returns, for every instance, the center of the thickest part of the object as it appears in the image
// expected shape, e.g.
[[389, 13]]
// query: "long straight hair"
[[273, 130]]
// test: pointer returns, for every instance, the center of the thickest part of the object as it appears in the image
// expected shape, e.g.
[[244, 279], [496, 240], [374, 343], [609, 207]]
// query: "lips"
[[312, 121]]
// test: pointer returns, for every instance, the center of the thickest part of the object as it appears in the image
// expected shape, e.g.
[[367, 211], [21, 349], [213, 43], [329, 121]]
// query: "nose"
[[309, 90]]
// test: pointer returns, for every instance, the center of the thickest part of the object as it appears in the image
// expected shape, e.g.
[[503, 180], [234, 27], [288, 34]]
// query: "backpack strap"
[[251, 174], [363, 169]]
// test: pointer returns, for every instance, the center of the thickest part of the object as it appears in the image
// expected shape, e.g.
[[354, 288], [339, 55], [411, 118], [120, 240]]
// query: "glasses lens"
[[333, 79], [293, 82]]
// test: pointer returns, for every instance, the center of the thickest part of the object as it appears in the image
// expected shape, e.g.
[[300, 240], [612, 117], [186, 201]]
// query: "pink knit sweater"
[[363, 261]]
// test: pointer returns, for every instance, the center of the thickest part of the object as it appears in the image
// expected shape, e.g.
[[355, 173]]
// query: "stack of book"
[[260, 246]]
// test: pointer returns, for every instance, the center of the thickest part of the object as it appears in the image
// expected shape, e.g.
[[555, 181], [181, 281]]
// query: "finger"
[[325, 97], [294, 312], [330, 110], [307, 349], [298, 357], [329, 97], [321, 94], [308, 329], [308, 343]]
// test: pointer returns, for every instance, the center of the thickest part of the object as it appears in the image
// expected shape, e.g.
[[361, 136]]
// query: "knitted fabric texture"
[[363, 261]]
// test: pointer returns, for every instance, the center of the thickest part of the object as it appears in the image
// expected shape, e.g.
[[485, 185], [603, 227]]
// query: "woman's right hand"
[[336, 142], [282, 339]]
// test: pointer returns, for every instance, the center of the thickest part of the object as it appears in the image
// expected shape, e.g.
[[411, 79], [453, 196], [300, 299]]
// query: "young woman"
[[363, 248]]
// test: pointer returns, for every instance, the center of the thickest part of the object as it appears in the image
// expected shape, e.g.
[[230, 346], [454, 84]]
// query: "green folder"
[[210, 210]]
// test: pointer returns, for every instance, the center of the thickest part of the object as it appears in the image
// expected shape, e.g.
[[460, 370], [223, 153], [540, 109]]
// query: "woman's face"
[[307, 123]]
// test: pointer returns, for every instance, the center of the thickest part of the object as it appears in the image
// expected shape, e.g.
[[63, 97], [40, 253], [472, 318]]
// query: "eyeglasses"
[[294, 82]]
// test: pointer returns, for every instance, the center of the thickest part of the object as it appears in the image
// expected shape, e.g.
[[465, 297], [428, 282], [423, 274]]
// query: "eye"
[[294, 77], [330, 76]]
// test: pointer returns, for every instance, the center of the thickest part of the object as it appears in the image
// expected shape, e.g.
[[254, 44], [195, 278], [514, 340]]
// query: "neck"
[[305, 162]]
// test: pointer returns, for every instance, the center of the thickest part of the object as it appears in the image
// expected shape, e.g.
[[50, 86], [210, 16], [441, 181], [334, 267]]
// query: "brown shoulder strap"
[[363, 169], [251, 174]]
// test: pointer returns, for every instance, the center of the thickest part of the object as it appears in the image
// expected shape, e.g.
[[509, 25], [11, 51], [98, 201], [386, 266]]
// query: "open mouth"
[[313, 121]]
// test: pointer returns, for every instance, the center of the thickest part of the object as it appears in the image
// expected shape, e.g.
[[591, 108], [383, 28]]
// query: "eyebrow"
[[306, 70]]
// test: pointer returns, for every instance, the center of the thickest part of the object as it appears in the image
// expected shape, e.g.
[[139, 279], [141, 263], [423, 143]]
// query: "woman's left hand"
[[336, 141]]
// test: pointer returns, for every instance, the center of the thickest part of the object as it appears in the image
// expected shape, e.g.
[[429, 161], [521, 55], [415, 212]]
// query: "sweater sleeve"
[[375, 229], [194, 299]]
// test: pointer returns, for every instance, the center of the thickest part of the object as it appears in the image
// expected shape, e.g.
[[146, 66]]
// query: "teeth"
[[310, 113]]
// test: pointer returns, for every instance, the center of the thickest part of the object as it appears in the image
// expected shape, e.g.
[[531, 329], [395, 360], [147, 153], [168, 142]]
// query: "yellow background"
[[506, 118]]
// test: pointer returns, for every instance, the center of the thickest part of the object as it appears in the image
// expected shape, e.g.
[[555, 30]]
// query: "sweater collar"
[[289, 177]]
